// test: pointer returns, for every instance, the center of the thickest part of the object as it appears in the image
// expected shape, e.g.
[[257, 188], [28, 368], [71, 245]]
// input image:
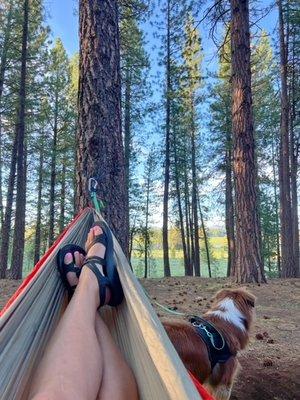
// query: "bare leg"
[[73, 366], [117, 377]]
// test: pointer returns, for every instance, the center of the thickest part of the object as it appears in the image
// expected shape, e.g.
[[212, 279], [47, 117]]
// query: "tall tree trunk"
[[194, 201], [187, 269], [53, 174], [187, 222], [19, 231], [62, 198], [205, 239], [167, 270], [229, 207], [100, 152], [249, 264], [127, 130], [146, 237], [288, 268], [74, 171], [3, 68], [4, 49], [294, 150], [37, 241], [276, 211], [191, 225], [6, 227]]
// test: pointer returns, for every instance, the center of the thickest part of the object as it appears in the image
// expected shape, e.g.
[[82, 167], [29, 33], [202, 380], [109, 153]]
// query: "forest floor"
[[271, 363]]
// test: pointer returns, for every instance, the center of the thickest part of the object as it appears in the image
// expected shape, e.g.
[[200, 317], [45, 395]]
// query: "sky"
[[63, 20]]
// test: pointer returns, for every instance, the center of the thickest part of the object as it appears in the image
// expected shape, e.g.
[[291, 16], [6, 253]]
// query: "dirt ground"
[[271, 364]]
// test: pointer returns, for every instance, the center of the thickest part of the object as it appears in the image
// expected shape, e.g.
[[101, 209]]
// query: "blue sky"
[[63, 20]]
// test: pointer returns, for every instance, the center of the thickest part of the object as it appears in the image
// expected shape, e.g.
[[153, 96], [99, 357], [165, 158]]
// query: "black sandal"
[[65, 268], [111, 277]]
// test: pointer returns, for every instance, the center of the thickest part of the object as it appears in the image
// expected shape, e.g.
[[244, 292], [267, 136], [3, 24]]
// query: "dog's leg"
[[222, 392], [221, 380]]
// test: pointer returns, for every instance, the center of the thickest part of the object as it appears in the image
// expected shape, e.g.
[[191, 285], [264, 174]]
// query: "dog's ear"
[[221, 294], [249, 297], [251, 303]]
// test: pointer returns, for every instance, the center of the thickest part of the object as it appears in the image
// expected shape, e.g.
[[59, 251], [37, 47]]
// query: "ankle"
[[88, 283]]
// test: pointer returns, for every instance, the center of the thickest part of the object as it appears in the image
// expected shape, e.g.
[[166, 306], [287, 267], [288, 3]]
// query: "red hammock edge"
[[39, 264]]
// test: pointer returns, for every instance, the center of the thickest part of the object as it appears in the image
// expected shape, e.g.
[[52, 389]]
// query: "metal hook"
[[93, 184]]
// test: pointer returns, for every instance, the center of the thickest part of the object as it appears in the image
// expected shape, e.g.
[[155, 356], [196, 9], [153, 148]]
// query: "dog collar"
[[217, 347]]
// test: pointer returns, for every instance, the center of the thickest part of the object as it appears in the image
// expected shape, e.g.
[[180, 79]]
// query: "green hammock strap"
[[97, 203]]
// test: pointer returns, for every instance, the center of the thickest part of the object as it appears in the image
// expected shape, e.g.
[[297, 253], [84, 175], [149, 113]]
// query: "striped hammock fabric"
[[30, 316]]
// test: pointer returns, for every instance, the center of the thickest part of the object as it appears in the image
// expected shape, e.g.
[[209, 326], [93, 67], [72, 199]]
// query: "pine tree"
[[266, 127], [222, 141], [287, 252], [190, 82], [175, 14], [100, 149], [58, 119], [135, 95], [249, 265]]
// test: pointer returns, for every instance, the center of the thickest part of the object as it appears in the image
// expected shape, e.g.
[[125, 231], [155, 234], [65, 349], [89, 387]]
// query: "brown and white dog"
[[232, 314]]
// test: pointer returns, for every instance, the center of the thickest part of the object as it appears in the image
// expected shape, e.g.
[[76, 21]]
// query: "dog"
[[208, 346]]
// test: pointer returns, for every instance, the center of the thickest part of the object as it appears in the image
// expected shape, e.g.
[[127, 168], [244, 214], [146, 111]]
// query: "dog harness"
[[217, 347]]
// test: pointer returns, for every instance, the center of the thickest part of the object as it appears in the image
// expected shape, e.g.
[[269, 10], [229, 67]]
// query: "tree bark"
[[167, 270], [6, 227], [187, 223], [146, 236], [249, 264], [3, 68], [194, 196], [100, 152], [276, 211], [187, 269], [205, 239], [294, 153], [229, 207], [19, 231], [53, 174], [62, 198], [288, 268], [127, 130], [37, 241]]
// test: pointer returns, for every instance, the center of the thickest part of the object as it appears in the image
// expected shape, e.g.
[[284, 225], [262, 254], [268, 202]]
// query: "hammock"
[[30, 316]]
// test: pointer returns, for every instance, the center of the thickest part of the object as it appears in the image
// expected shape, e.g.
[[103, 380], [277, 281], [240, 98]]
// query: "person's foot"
[[96, 250]]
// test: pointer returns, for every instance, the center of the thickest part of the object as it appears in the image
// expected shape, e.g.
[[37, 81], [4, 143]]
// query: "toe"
[[77, 258], [68, 258], [97, 230]]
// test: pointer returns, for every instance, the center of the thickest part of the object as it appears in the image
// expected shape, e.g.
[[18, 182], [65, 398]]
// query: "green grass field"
[[177, 268], [218, 254]]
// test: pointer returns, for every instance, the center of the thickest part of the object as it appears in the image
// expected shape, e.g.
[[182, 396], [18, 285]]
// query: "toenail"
[[68, 257]]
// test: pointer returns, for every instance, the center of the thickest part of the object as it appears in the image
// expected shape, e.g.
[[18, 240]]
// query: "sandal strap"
[[96, 259], [98, 239], [103, 281], [72, 268]]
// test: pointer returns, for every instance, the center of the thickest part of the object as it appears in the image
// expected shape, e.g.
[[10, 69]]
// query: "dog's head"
[[243, 300]]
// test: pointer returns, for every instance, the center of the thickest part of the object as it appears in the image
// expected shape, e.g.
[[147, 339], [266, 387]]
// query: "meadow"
[[218, 256]]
